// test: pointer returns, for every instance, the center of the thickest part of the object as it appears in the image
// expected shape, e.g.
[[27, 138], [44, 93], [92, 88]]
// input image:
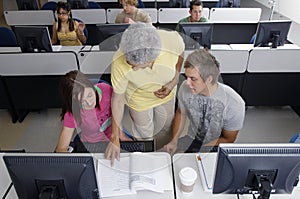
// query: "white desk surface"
[[182, 160], [9, 49]]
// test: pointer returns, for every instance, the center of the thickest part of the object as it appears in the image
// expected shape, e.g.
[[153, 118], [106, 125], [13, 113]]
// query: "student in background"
[[216, 112], [88, 107], [144, 74], [196, 8], [66, 30], [131, 13]]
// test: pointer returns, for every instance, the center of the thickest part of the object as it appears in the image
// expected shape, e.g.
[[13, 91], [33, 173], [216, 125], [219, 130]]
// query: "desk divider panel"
[[33, 64], [90, 16], [111, 14], [29, 17], [95, 62], [278, 60], [172, 15], [235, 14], [152, 12]]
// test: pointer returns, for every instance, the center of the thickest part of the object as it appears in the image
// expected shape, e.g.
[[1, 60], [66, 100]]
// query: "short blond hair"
[[130, 2]]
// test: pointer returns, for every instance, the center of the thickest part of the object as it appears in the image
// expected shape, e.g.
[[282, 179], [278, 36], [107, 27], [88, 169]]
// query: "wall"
[[288, 8]]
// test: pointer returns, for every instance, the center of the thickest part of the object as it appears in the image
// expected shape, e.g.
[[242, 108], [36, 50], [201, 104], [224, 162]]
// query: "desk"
[[5, 181], [272, 77], [32, 79], [181, 160]]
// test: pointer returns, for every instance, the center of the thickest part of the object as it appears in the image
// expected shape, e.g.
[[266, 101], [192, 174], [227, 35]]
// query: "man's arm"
[[178, 126], [225, 137]]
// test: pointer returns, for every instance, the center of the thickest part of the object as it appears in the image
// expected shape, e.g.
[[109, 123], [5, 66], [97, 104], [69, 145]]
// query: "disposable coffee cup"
[[187, 176]]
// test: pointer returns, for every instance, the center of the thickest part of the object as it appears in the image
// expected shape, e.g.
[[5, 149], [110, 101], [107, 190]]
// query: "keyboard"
[[137, 146]]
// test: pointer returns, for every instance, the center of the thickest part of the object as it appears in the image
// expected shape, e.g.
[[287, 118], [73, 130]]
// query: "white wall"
[[288, 8]]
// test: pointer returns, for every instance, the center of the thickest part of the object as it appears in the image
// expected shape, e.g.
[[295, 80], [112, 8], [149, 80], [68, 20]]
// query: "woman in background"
[[66, 30], [131, 13]]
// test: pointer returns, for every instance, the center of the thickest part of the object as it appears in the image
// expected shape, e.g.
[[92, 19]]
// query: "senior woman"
[[145, 72]]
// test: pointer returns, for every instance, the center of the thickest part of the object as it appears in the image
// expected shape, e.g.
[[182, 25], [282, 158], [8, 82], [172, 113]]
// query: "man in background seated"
[[196, 8], [131, 14], [216, 112]]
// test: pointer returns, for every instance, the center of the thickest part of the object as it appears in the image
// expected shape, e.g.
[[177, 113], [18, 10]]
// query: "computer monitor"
[[272, 33], [109, 35], [78, 4], [33, 38], [196, 35], [27, 5], [45, 174], [257, 168], [229, 3]]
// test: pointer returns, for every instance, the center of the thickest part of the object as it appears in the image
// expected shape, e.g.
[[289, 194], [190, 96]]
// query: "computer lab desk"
[[182, 160], [11, 194]]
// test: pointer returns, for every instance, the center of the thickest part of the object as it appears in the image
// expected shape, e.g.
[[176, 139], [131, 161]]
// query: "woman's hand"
[[81, 27], [166, 89]]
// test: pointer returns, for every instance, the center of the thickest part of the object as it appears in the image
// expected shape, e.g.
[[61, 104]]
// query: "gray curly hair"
[[140, 43]]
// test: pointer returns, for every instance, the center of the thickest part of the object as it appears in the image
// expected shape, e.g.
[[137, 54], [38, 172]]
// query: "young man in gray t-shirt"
[[216, 112]]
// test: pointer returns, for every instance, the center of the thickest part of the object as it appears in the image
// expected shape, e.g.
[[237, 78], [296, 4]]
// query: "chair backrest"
[[7, 37], [85, 31], [93, 5], [140, 4], [51, 5]]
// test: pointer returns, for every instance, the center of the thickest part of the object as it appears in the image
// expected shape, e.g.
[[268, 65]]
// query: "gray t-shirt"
[[208, 115]]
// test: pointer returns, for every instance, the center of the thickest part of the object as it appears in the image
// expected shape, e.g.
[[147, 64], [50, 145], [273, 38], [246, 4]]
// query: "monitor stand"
[[261, 181]]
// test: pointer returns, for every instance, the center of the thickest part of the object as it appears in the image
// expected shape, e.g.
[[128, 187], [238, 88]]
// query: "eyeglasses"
[[62, 13]]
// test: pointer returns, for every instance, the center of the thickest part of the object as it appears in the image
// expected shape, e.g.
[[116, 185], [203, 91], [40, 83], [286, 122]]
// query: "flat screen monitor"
[[58, 175], [257, 169], [109, 35], [78, 4], [230, 3], [27, 5], [272, 33], [33, 38], [196, 35]]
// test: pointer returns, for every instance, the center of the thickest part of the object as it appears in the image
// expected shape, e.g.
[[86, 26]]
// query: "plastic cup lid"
[[187, 176]]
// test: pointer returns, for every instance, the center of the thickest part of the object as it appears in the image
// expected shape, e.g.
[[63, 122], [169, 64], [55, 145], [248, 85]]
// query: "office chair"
[[295, 138], [85, 31], [93, 5], [51, 5], [7, 37], [140, 4], [252, 40]]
